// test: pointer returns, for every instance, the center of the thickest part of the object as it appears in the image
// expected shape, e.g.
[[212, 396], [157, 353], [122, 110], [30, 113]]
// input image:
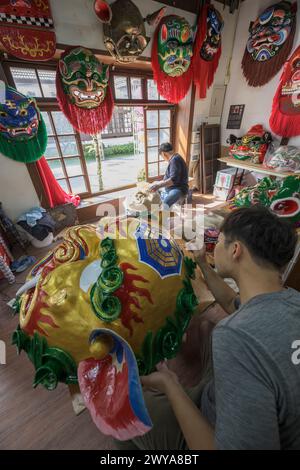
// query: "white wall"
[[76, 23], [17, 193], [202, 106], [258, 101]]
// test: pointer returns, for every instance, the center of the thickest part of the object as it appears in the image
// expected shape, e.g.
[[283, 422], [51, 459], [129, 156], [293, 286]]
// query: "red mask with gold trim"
[[253, 145], [27, 29], [83, 91]]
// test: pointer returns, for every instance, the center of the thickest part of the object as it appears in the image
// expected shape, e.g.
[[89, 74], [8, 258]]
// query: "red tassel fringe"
[[283, 124], [173, 89], [87, 121], [203, 70]]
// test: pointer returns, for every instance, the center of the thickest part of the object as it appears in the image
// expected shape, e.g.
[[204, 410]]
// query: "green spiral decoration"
[[52, 365], [167, 340], [17, 305], [109, 258], [107, 306], [190, 267], [165, 343], [110, 279], [21, 340], [106, 245]]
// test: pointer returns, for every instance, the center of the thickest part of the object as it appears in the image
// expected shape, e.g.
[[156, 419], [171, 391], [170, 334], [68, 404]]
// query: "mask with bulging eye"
[[23, 135], [124, 28], [175, 46], [270, 31], [270, 42], [84, 78]]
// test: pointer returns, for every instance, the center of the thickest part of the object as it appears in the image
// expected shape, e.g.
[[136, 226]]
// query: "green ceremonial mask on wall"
[[84, 78], [175, 46]]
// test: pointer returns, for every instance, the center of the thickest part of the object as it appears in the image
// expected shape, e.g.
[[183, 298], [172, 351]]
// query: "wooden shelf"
[[253, 167]]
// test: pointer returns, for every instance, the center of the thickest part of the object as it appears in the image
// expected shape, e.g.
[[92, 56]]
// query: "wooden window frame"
[[172, 110], [62, 158], [49, 105]]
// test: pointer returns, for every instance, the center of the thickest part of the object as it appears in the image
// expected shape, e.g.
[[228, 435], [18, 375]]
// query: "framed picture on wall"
[[235, 116]]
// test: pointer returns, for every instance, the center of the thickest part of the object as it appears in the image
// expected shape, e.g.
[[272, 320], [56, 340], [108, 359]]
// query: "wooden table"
[[257, 168]]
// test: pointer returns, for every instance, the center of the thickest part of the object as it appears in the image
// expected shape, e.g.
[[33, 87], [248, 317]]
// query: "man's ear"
[[237, 250]]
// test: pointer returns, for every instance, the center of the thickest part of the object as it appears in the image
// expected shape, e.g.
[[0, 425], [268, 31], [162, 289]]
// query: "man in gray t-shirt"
[[255, 393], [252, 400]]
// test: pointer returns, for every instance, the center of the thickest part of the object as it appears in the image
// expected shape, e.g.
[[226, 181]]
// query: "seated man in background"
[[252, 399], [175, 182]]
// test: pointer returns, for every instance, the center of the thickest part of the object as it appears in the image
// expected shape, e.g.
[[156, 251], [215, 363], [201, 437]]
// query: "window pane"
[[56, 168], [68, 145], [136, 88], [48, 124], [73, 166], [153, 154], [164, 118], [64, 185], [162, 167], [121, 90], [153, 170], [78, 184], [152, 138], [47, 79], [152, 90], [121, 122], [152, 119], [61, 123], [26, 81], [51, 150], [164, 136]]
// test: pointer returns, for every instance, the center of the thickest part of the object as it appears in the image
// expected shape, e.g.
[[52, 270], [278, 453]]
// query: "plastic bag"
[[285, 158]]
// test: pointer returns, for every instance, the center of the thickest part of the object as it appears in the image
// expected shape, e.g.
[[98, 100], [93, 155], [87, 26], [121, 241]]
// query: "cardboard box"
[[224, 183]]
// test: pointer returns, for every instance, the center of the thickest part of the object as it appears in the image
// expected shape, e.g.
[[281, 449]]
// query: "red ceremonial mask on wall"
[[27, 29], [83, 91], [207, 48]]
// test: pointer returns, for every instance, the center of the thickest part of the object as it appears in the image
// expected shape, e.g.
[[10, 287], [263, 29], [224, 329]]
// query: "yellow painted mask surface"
[[59, 306]]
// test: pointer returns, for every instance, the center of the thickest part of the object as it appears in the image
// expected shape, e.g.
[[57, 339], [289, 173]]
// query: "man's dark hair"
[[269, 239], [165, 147]]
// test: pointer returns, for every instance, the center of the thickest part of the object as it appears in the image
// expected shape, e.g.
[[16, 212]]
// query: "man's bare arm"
[[161, 184], [198, 433], [223, 294]]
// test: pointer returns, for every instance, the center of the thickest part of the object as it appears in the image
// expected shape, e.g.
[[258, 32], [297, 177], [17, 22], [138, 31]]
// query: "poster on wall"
[[235, 116]]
